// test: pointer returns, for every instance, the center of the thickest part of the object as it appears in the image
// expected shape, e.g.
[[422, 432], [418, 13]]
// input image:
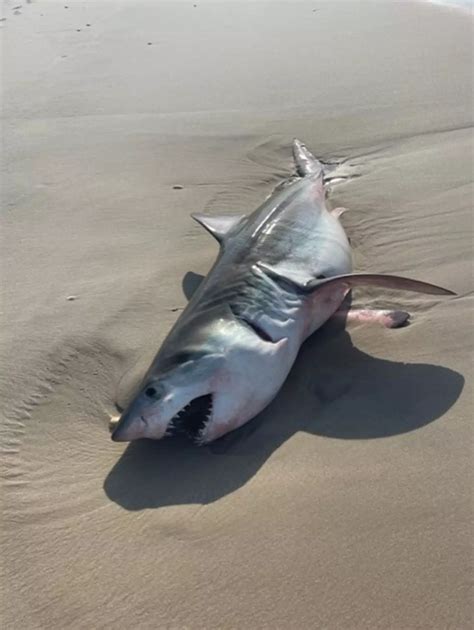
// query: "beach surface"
[[347, 504]]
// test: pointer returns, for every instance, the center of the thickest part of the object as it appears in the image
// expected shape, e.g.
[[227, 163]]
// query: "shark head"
[[175, 397], [212, 374]]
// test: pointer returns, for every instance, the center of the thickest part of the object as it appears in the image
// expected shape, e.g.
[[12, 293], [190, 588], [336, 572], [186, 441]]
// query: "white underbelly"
[[256, 370], [252, 378]]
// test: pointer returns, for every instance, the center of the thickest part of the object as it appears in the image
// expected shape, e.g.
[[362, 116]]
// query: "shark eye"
[[150, 392]]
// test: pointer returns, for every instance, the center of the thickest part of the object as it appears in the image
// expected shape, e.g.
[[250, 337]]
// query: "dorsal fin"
[[306, 163], [218, 226]]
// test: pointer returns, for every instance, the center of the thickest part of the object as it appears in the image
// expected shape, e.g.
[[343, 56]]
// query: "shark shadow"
[[334, 391]]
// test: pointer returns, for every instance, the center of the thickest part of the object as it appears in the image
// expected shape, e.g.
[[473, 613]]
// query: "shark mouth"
[[192, 419]]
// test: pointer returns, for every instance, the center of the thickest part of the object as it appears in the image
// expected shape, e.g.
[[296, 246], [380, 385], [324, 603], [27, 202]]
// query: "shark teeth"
[[199, 438], [192, 419]]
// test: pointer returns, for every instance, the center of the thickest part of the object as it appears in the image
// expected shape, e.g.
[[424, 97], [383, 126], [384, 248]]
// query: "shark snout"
[[129, 429]]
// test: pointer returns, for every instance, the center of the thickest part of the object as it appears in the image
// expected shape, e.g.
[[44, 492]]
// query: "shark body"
[[280, 274]]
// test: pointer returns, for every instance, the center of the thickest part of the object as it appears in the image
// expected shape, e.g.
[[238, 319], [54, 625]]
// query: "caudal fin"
[[306, 163]]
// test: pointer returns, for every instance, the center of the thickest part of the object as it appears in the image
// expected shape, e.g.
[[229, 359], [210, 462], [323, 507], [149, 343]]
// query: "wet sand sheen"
[[345, 505]]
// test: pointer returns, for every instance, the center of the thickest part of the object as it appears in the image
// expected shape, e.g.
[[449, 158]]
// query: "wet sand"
[[347, 504]]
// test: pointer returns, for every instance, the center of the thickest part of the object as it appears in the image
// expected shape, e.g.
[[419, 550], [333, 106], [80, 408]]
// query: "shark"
[[280, 274]]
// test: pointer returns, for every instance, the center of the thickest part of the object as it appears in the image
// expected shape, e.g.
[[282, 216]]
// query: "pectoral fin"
[[218, 226], [381, 280], [355, 280], [293, 277]]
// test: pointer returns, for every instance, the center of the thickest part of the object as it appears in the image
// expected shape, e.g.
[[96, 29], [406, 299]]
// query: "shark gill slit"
[[250, 324]]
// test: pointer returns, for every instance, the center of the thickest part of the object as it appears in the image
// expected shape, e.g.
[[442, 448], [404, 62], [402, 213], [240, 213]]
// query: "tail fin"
[[306, 163]]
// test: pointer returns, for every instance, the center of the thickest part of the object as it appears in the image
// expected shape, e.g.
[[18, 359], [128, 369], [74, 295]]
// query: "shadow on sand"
[[334, 390]]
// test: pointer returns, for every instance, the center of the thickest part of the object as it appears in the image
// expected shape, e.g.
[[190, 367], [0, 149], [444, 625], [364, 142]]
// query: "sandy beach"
[[347, 504]]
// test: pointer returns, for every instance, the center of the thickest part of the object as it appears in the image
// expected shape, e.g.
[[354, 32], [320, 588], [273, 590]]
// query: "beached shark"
[[281, 273]]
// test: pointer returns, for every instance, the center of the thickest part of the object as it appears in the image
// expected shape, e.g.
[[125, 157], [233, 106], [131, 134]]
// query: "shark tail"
[[306, 164]]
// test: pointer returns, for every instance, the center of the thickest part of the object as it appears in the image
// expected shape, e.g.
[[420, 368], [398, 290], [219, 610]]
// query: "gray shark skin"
[[280, 274]]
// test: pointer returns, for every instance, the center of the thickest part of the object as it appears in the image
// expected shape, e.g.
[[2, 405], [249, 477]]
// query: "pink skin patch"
[[389, 319]]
